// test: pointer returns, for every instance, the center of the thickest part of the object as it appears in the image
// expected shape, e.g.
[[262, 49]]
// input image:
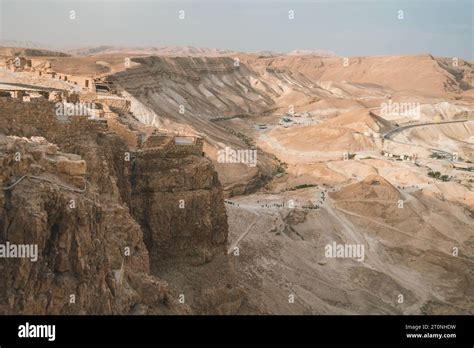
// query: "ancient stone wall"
[[118, 105], [166, 146], [132, 138], [37, 117]]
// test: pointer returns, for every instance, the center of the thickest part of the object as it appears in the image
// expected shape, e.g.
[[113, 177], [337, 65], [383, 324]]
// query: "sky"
[[348, 28]]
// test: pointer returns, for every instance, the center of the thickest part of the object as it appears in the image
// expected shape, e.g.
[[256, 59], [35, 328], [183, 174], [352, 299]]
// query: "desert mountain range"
[[373, 151]]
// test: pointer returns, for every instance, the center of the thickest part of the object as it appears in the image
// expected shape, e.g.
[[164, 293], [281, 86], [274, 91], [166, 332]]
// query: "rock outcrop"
[[105, 219], [180, 204]]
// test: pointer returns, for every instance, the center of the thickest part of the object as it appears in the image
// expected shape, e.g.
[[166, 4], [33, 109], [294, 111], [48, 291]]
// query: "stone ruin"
[[17, 64], [45, 69]]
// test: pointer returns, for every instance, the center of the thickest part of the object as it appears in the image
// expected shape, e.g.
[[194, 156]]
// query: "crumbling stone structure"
[[17, 64]]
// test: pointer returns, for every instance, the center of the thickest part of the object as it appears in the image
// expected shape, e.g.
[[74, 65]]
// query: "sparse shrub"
[[444, 178], [437, 175], [436, 155], [302, 186], [434, 174]]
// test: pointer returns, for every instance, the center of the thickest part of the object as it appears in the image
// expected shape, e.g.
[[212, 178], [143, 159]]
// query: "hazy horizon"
[[347, 28]]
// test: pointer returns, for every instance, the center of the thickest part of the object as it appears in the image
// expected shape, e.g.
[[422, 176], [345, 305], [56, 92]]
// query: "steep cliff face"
[[177, 199], [179, 203], [94, 255], [90, 254]]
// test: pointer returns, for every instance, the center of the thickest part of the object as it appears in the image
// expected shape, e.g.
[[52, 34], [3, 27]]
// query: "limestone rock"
[[73, 168]]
